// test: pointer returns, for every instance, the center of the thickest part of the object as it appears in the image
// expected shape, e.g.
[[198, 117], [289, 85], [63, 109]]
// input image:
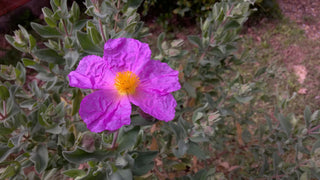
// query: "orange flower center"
[[126, 82]]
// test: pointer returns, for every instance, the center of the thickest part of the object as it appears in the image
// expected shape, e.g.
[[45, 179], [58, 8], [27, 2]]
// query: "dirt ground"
[[298, 53], [305, 58], [306, 13]]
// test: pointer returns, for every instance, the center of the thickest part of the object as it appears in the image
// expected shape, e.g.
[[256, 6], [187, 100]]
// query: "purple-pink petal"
[[162, 107], [105, 110], [124, 54], [159, 78], [91, 73]]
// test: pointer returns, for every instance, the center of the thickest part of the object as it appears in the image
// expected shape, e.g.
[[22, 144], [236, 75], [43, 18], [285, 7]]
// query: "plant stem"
[[115, 137], [314, 129], [65, 27], [102, 32], [4, 108], [116, 17]]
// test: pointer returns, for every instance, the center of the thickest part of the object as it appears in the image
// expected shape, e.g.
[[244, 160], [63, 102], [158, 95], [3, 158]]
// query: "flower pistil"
[[126, 82]]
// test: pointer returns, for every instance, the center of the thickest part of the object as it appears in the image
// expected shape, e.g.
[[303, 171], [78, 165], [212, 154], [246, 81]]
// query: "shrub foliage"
[[221, 130]]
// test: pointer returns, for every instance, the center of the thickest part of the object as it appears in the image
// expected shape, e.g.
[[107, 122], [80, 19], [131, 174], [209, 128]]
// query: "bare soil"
[[295, 44]]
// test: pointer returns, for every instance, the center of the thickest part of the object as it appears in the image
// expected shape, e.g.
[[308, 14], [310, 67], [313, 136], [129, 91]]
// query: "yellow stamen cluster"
[[126, 82]]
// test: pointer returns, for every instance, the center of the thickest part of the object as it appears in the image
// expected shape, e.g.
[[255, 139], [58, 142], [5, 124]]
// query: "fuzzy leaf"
[[87, 44], [144, 162], [45, 31], [49, 55], [128, 139], [79, 155], [40, 158], [74, 173]]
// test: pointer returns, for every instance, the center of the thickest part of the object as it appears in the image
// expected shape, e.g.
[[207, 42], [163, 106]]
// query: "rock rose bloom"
[[126, 73]]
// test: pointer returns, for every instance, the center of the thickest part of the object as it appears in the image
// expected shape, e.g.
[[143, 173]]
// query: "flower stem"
[[4, 108], [65, 27], [314, 129], [3, 116], [102, 32], [115, 137], [116, 17]]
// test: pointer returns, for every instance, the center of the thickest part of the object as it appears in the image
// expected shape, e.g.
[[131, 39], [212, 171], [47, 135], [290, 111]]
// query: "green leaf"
[[76, 102], [305, 176], [80, 155], [134, 3], [307, 116], [210, 101], [94, 33], [181, 150], [4, 93], [28, 104], [5, 151], [285, 124], [45, 31], [143, 162], [276, 160], [243, 99], [71, 58], [48, 17], [199, 139], [56, 129], [45, 76], [315, 115], [74, 12], [177, 130], [160, 39], [50, 174], [5, 131], [190, 89], [40, 158], [16, 139], [87, 44], [195, 40], [32, 42], [195, 149], [315, 146], [49, 55], [137, 120], [50, 21], [122, 174], [128, 139], [231, 25], [11, 41], [202, 174], [8, 172], [260, 72], [20, 73], [95, 175], [315, 173], [80, 24], [74, 173]]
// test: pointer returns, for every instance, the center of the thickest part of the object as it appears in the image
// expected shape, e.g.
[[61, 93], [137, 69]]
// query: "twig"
[[4, 108], [116, 17], [314, 129], [102, 32], [65, 27], [1, 116], [115, 137]]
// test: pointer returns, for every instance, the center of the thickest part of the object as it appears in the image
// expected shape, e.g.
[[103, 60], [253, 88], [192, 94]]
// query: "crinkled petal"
[[105, 110], [159, 77], [91, 73], [159, 106], [125, 54]]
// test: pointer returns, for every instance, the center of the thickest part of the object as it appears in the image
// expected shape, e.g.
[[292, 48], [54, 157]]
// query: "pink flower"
[[125, 74]]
